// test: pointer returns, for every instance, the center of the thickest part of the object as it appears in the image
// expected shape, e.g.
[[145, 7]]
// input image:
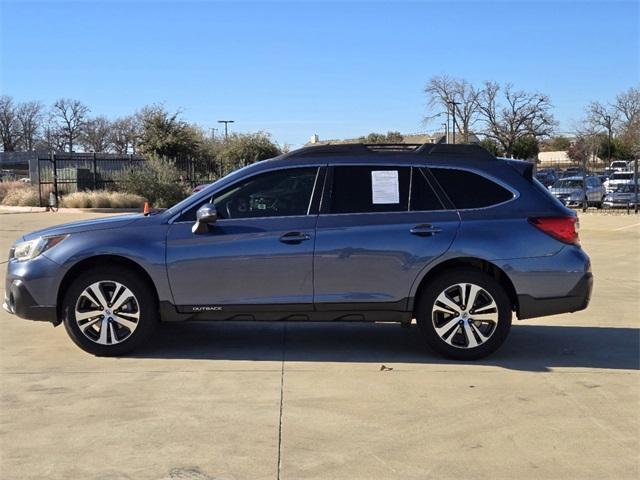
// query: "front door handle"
[[294, 238], [425, 230]]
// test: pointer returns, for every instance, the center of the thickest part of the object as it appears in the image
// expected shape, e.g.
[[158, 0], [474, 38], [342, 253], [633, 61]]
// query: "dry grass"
[[101, 199], [22, 195], [6, 187]]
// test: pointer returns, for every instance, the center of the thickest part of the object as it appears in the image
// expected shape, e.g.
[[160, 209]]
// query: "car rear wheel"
[[109, 312], [464, 314]]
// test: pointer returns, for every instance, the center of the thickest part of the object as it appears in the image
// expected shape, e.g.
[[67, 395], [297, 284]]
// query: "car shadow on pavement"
[[528, 348]]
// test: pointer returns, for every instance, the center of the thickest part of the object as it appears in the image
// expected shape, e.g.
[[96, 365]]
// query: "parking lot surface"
[[206, 401]]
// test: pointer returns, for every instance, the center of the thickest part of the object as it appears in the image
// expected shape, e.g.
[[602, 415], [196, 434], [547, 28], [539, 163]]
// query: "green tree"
[[558, 143], [157, 180], [526, 148], [164, 134], [391, 136], [492, 146], [241, 149]]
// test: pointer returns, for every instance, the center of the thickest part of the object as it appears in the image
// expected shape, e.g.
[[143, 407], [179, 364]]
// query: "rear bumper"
[[18, 301], [577, 299]]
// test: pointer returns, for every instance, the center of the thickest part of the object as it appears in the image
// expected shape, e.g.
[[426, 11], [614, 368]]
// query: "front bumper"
[[31, 289], [18, 301]]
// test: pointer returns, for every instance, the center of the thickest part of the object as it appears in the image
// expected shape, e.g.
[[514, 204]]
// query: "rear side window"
[[422, 195], [470, 190], [370, 189]]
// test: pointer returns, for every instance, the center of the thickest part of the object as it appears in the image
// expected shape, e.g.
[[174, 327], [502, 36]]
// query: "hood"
[[92, 224]]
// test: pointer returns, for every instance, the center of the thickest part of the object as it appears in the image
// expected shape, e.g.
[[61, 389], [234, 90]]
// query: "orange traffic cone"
[[147, 208]]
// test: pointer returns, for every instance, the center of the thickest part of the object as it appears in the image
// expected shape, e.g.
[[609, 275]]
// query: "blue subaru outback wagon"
[[448, 235]]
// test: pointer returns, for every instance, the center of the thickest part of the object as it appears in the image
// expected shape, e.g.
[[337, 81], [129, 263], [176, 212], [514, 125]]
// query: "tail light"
[[564, 229]]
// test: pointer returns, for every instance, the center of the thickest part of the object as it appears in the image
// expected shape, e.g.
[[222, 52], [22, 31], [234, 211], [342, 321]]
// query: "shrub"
[[6, 187], [22, 196], [157, 180], [102, 199]]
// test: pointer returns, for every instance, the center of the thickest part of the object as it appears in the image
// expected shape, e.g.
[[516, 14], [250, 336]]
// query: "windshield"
[[621, 176], [625, 188], [618, 164], [568, 184]]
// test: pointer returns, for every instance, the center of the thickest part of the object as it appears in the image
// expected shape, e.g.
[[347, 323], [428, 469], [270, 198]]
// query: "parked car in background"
[[573, 172], [547, 176], [448, 235], [622, 197], [618, 178], [572, 191], [618, 165]]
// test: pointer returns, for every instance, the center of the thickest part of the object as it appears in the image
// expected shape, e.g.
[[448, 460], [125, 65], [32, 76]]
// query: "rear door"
[[379, 226]]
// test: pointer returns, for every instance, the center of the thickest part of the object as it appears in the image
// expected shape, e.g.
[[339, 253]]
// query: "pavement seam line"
[[284, 346]]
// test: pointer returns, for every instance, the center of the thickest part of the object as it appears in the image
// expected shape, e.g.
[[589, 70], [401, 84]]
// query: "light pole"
[[608, 118], [226, 122], [453, 104]]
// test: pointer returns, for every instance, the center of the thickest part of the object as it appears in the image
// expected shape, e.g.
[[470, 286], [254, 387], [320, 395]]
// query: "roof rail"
[[428, 149], [459, 150]]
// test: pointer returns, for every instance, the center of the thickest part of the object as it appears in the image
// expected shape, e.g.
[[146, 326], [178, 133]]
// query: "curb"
[[7, 208]]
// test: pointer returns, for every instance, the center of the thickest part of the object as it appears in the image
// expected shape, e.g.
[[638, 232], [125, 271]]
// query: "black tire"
[[447, 280], [144, 304]]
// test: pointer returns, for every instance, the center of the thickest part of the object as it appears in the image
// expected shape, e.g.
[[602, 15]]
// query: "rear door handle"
[[425, 230], [294, 237]]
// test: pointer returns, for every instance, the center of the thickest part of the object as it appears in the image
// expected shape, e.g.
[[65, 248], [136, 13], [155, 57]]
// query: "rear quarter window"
[[470, 190]]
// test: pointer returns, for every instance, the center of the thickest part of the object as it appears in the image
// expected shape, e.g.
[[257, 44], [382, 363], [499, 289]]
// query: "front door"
[[372, 241], [260, 251]]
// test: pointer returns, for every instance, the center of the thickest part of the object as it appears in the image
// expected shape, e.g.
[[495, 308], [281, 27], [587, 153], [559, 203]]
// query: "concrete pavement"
[[209, 401]]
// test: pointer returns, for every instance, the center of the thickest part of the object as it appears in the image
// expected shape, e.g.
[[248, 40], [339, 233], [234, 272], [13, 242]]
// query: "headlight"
[[31, 249]]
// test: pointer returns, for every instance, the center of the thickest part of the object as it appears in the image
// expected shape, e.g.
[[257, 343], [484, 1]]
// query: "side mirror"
[[205, 215]]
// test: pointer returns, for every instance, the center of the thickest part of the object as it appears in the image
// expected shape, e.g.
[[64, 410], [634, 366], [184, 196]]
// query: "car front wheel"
[[109, 312], [464, 314]]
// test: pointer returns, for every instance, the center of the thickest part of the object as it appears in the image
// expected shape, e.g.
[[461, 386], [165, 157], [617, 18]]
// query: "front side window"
[[280, 193], [470, 190], [370, 189]]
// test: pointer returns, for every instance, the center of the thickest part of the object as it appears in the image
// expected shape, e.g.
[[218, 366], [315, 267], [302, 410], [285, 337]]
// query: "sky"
[[293, 69]]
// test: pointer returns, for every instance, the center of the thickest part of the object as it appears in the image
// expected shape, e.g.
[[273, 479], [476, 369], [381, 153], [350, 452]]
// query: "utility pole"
[[226, 123], [608, 118], [453, 104], [213, 133], [446, 132]]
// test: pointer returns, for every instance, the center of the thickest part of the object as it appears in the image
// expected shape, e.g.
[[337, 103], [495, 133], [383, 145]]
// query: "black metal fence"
[[59, 174]]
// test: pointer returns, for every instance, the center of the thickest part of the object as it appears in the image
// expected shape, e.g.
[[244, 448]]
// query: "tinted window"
[[469, 190], [422, 195], [272, 194], [358, 189]]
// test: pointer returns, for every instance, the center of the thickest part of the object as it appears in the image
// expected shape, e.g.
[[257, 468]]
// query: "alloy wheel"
[[107, 312], [465, 315]]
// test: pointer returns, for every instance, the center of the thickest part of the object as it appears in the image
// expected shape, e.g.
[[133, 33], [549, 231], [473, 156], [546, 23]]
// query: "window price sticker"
[[385, 187]]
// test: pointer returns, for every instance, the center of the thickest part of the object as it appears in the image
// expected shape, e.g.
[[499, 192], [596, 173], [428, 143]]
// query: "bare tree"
[[454, 96], [628, 105], [96, 135], [30, 118], [124, 134], [70, 115], [51, 137], [9, 125], [510, 115]]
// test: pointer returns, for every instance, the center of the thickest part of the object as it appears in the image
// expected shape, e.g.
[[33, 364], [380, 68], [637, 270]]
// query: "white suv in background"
[[618, 178]]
